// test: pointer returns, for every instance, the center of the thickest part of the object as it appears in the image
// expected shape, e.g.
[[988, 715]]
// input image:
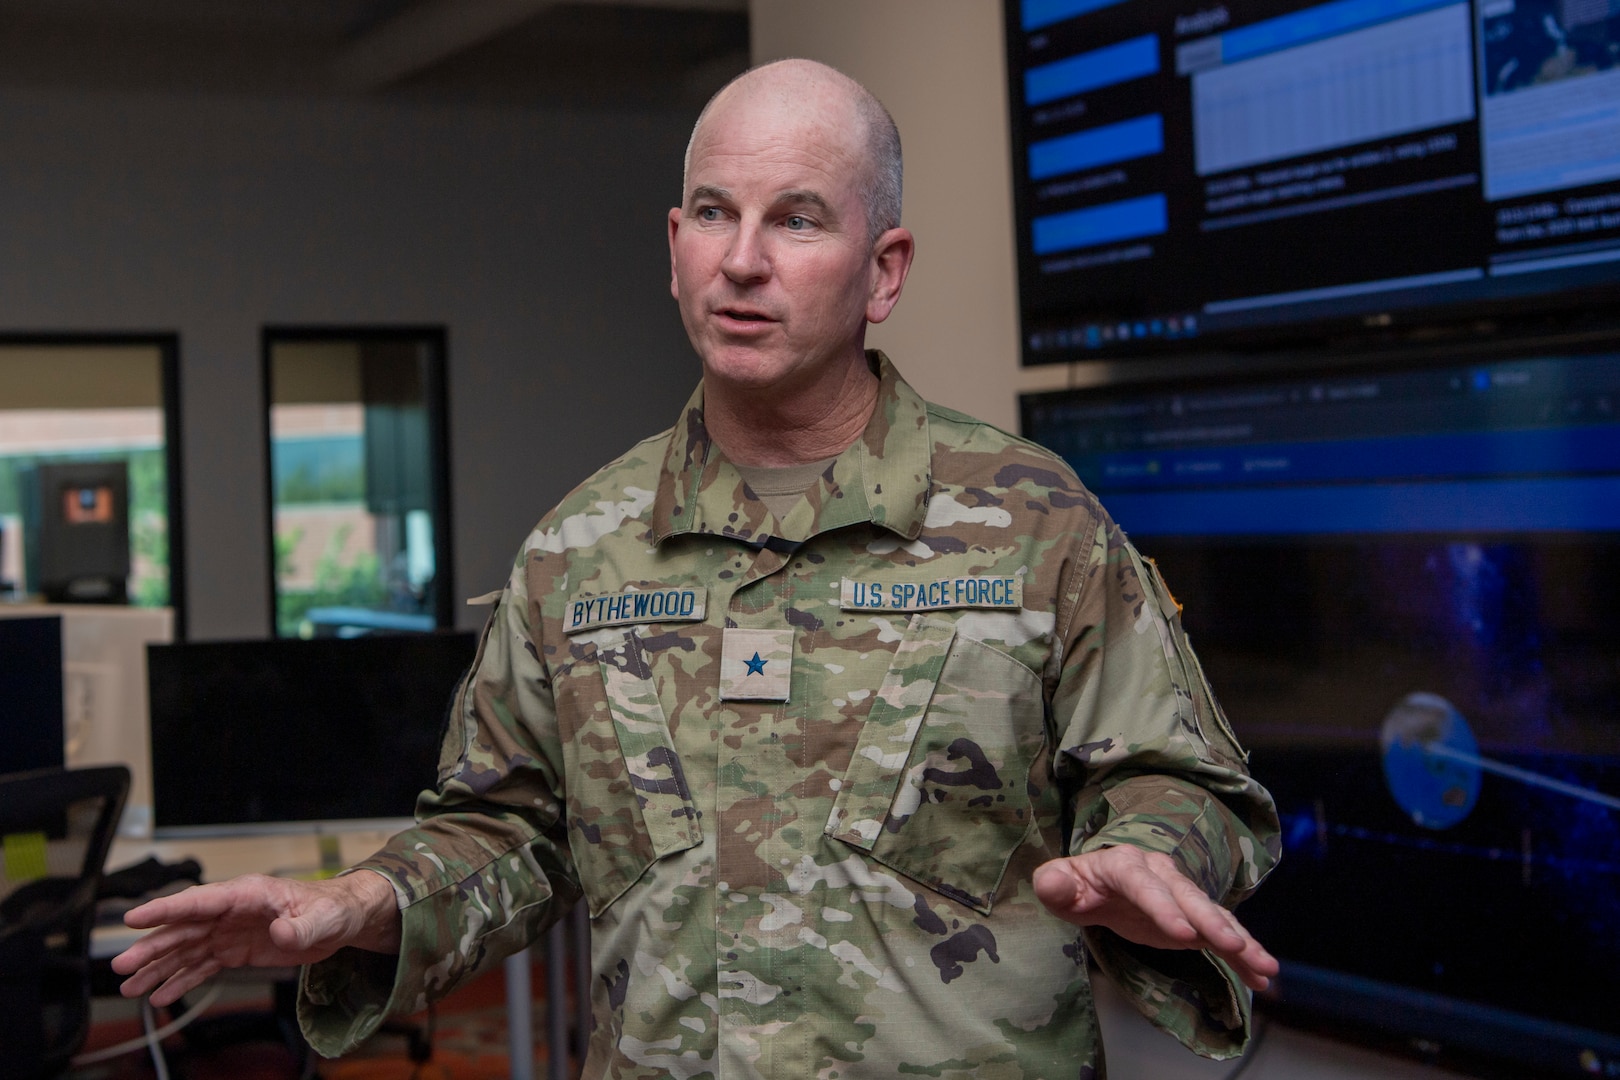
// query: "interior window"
[[88, 470], [358, 479]]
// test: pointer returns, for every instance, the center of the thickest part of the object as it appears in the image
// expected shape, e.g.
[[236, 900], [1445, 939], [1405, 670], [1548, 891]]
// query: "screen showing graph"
[[1209, 174]]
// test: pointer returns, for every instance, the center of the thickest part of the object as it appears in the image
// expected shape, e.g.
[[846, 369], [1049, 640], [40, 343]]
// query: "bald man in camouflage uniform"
[[856, 723]]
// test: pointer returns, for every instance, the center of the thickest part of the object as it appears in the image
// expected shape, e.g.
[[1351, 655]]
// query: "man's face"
[[770, 255]]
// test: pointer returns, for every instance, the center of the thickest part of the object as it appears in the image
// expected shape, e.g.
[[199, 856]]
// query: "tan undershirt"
[[781, 488]]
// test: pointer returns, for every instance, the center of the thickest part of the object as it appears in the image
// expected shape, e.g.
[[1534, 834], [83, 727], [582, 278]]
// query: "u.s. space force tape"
[[970, 591]]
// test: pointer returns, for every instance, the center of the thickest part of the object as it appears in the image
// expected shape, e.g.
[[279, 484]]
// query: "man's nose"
[[746, 258]]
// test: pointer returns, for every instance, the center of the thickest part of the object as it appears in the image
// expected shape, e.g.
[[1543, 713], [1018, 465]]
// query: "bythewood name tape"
[[639, 606]]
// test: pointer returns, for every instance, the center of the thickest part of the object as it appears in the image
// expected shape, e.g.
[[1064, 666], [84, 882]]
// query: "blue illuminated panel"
[[1106, 145], [1547, 479], [1440, 507], [1314, 24], [1125, 220], [1039, 13], [1480, 454], [1101, 67]]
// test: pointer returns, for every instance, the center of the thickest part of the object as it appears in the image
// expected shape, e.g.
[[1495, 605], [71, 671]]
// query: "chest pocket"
[[628, 800], [939, 787]]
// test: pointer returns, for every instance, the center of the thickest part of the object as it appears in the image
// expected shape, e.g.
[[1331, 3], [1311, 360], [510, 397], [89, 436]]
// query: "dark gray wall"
[[536, 238]]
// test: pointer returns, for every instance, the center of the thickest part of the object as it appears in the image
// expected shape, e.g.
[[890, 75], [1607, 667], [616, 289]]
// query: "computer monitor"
[[31, 700], [295, 735], [1401, 578]]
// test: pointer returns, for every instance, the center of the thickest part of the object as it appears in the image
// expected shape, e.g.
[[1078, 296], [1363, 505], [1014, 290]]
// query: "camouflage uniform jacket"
[[984, 676]]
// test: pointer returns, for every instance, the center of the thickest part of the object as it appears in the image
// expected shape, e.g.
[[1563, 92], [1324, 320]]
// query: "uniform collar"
[[882, 477]]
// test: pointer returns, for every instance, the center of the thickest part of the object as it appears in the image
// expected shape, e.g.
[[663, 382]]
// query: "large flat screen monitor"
[[1242, 175], [296, 735], [1403, 581]]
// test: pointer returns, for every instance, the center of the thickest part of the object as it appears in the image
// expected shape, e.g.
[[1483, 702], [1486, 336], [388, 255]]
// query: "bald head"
[[803, 85]]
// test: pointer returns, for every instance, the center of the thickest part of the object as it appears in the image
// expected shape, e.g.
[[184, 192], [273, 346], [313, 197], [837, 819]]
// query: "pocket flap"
[[654, 769], [876, 769]]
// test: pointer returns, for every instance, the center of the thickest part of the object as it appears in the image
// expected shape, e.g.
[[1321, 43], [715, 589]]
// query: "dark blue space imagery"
[[1439, 720], [1536, 42]]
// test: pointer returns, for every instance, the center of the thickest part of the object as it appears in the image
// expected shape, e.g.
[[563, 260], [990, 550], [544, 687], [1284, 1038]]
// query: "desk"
[[293, 854]]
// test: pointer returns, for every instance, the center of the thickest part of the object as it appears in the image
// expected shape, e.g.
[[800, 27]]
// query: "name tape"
[[957, 592], [640, 606]]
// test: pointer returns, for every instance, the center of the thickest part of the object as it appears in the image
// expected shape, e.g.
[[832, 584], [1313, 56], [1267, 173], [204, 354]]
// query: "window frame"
[[167, 344], [436, 400]]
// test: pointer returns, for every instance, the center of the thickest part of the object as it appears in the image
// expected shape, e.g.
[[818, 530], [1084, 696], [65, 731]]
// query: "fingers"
[[1221, 933], [193, 935], [1253, 964], [179, 984], [165, 909], [1144, 897], [1255, 975], [203, 902], [1213, 926], [167, 970], [1218, 930], [1176, 907], [166, 939], [267, 922], [170, 976]]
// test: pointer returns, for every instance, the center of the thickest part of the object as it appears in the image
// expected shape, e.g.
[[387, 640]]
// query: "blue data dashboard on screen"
[[1234, 174], [1510, 446], [1403, 581]]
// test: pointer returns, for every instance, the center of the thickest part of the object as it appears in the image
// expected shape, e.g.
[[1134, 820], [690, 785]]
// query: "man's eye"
[[709, 213], [794, 221]]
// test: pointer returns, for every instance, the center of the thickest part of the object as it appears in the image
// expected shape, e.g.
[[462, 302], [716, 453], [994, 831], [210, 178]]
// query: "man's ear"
[[674, 274], [891, 262]]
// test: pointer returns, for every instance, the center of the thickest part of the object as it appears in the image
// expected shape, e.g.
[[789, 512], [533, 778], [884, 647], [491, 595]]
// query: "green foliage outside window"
[[149, 528], [357, 583]]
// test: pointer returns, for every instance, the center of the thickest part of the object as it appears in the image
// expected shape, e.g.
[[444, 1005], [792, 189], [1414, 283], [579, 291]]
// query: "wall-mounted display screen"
[[1401, 581], [1220, 175]]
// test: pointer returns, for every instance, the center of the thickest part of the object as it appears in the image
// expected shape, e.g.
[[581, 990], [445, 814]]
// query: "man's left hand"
[[1143, 897]]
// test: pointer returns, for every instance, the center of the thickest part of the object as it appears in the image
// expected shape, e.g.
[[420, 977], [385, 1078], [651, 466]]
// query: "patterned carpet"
[[238, 1038]]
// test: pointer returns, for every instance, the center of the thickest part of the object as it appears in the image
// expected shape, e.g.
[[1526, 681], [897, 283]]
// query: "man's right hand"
[[255, 921]]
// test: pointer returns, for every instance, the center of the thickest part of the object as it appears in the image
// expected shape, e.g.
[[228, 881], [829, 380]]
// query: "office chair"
[[56, 826]]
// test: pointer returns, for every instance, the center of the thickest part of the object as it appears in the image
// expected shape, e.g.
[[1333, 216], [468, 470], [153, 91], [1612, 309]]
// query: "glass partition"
[[88, 470], [358, 481]]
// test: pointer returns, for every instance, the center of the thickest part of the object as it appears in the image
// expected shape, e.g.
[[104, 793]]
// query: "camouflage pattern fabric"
[[984, 676]]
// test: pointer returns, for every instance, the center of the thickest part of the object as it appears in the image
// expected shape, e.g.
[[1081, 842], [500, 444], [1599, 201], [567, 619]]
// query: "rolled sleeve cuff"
[[1193, 996], [343, 1000]]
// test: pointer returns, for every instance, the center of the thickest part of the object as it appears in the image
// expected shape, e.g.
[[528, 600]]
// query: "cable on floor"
[[1261, 1026], [151, 1037]]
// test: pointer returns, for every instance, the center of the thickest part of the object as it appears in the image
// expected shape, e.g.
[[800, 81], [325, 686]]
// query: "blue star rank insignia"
[[756, 665]]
